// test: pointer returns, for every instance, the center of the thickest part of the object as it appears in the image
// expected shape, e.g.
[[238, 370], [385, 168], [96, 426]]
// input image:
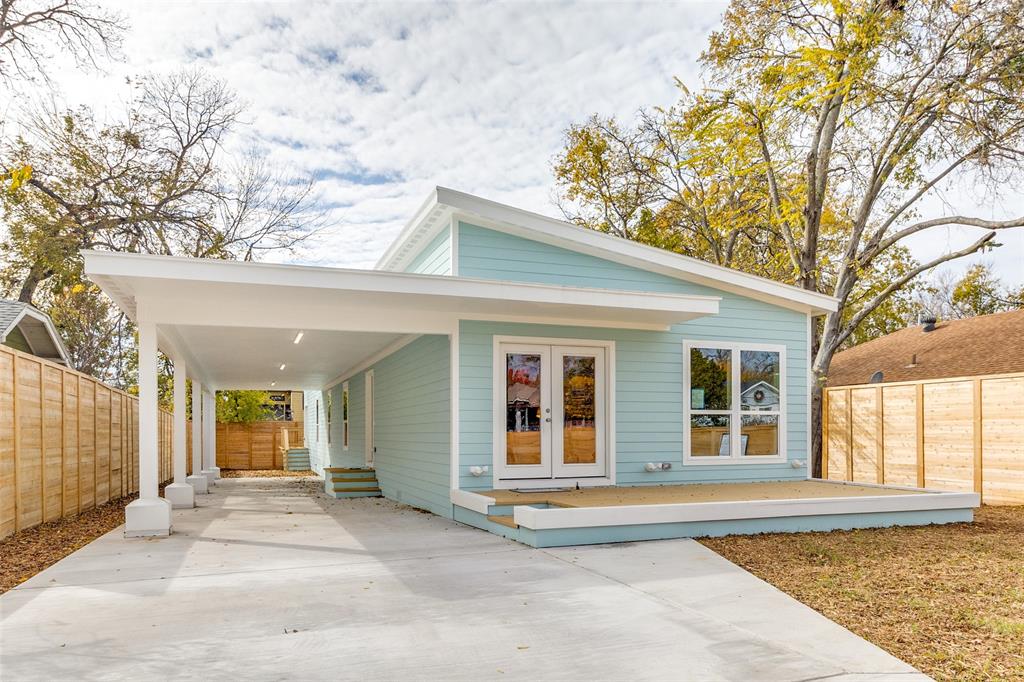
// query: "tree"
[[977, 292], [242, 407], [30, 30], [157, 181], [834, 121]]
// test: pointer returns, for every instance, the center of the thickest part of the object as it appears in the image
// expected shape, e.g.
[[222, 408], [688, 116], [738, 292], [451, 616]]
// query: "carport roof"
[[234, 322]]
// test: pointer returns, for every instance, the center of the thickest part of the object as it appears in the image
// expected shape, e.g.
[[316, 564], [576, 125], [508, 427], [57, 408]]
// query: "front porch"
[[557, 517]]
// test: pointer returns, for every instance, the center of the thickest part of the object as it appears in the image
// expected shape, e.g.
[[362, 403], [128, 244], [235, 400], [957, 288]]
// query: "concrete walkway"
[[268, 580]]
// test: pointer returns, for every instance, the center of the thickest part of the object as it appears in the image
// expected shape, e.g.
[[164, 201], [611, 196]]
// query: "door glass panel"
[[709, 435], [522, 409], [579, 399]]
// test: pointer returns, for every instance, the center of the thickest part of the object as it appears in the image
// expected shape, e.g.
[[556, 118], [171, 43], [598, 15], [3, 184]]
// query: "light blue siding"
[[649, 364], [436, 256], [355, 455], [412, 431], [315, 438]]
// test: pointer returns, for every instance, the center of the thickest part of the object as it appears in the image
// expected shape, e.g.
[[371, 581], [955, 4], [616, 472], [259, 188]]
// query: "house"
[[284, 405], [30, 330], [520, 374], [976, 346]]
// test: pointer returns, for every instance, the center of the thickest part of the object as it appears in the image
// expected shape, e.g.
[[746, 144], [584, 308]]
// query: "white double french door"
[[550, 411]]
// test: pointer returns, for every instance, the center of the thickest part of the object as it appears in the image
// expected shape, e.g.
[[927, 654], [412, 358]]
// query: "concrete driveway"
[[269, 580]]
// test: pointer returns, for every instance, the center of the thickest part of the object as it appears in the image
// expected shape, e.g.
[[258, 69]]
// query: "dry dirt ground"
[[949, 600], [27, 552]]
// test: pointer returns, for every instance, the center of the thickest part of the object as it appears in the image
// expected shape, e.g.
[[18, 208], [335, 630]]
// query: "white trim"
[[453, 241], [642, 514], [454, 462], [808, 455], [560, 233], [372, 360], [736, 413], [369, 419], [472, 501], [498, 414], [363, 300], [345, 421], [51, 330]]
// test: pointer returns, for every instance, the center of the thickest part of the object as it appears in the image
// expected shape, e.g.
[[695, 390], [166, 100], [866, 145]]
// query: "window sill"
[[733, 461]]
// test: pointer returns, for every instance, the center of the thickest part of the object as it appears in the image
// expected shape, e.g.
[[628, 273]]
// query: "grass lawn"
[[949, 599]]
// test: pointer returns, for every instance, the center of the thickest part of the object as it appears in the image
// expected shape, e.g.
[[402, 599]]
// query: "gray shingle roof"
[[9, 312]]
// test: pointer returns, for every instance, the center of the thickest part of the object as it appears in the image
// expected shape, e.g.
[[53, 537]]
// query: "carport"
[[242, 325]]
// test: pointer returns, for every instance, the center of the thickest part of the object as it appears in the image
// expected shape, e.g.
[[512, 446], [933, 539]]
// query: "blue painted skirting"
[[560, 537]]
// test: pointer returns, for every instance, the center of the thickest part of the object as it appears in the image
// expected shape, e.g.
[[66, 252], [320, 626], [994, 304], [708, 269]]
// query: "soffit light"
[[282, 366], [298, 337]]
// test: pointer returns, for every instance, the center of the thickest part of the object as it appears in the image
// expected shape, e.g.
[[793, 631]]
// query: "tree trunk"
[[36, 275], [817, 392], [819, 375]]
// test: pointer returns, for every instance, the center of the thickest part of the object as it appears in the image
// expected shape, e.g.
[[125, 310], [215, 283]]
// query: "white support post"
[[199, 482], [210, 467], [150, 514], [179, 493]]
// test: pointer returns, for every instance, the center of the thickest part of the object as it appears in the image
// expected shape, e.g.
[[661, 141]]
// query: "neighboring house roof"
[[976, 346], [523, 393], [444, 204], [37, 328], [759, 384]]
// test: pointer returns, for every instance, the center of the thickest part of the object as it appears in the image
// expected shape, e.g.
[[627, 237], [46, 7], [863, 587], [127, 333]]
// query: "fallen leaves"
[[948, 599]]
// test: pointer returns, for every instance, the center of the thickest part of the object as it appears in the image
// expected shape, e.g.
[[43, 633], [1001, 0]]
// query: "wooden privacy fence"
[[67, 442], [964, 434], [255, 446]]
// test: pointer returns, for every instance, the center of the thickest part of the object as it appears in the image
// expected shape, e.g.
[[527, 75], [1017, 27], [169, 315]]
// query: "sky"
[[381, 102]]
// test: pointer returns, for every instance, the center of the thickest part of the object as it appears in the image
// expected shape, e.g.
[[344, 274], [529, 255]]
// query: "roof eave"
[[446, 202]]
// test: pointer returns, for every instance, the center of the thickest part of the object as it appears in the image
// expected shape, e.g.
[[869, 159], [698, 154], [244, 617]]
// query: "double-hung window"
[[735, 402], [344, 416]]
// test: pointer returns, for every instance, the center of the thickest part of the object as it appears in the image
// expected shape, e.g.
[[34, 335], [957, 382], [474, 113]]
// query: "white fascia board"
[[431, 217], [642, 514], [123, 273], [51, 329], [566, 235]]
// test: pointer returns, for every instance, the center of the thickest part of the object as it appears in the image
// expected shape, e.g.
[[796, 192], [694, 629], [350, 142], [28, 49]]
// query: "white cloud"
[[387, 100]]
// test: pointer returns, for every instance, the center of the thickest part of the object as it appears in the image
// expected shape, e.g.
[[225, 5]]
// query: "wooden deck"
[[686, 493]]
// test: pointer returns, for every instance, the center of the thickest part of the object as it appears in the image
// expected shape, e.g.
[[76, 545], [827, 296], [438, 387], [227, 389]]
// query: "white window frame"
[[736, 413], [329, 403], [344, 415]]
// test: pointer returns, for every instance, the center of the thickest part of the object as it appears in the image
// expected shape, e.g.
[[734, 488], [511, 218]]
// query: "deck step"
[[375, 491], [345, 470], [503, 520], [342, 479]]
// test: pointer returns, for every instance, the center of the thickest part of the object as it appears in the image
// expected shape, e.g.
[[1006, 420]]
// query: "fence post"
[[849, 435], [919, 420], [17, 446], [880, 434], [824, 434], [978, 462]]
